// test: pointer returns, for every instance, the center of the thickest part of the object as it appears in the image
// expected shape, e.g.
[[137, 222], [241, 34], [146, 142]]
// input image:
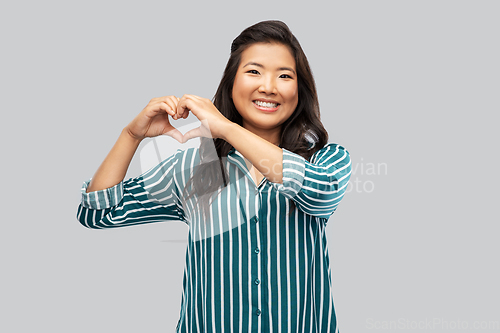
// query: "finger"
[[192, 96], [194, 133], [168, 106], [173, 107], [181, 106], [154, 105], [161, 99], [184, 106], [158, 108], [172, 102]]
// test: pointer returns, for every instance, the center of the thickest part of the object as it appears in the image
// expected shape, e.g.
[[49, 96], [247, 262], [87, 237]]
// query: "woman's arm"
[[152, 121], [151, 197], [108, 201], [316, 187], [264, 155], [115, 165]]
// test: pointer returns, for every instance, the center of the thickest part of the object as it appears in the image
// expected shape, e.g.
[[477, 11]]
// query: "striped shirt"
[[257, 263]]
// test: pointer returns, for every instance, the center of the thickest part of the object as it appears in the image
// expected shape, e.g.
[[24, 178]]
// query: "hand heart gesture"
[[154, 118]]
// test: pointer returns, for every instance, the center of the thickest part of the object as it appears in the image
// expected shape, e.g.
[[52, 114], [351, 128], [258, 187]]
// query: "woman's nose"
[[268, 86]]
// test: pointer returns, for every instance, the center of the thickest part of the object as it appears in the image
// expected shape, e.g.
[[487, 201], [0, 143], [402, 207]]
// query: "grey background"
[[408, 85]]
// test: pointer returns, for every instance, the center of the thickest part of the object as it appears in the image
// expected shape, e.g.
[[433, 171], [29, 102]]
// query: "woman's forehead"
[[268, 55]]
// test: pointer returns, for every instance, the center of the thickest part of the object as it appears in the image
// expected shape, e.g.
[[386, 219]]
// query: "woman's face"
[[265, 90]]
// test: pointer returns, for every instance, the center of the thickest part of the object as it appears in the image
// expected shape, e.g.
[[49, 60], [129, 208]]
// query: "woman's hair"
[[302, 133]]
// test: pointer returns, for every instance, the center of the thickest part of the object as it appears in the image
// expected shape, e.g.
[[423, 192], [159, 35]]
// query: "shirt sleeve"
[[152, 197], [316, 187]]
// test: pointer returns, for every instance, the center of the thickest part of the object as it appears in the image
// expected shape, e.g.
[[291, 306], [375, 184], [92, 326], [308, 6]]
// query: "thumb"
[[174, 133], [202, 131], [194, 133]]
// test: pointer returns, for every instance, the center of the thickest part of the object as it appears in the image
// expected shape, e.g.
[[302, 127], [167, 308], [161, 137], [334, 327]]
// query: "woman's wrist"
[[230, 130], [134, 138]]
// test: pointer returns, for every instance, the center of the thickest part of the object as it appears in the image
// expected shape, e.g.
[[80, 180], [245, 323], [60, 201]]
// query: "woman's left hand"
[[213, 123]]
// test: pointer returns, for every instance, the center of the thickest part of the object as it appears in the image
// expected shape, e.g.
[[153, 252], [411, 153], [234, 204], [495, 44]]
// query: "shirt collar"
[[236, 158]]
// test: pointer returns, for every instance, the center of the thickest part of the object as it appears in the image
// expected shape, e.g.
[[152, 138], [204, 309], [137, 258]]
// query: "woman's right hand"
[[153, 119]]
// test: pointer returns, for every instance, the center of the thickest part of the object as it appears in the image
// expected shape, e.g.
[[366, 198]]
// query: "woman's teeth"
[[266, 104]]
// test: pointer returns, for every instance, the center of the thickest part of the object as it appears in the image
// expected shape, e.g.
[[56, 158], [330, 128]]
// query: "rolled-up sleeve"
[[152, 197], [318, 186], [102, 199]]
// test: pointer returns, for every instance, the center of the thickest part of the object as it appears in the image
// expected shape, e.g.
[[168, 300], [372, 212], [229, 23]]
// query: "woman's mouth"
[[266, 106]]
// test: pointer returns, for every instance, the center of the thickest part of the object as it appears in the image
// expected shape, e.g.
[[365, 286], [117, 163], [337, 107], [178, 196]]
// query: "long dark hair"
[[302, 133]]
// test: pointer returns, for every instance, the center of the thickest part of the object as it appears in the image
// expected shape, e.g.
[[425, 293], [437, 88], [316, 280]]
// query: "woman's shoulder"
[[328, 150]]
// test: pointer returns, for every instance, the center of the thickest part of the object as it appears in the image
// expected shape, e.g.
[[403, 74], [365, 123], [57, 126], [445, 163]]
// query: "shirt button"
[[257, 281], [257, 250], [255, 219], [258, 312]]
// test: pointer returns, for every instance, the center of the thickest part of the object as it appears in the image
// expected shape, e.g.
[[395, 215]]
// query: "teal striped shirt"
[[254, 264]]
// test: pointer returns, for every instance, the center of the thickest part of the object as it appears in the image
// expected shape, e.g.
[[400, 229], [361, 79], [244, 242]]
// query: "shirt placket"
[[260, 251], [258, 275], [255, 279]]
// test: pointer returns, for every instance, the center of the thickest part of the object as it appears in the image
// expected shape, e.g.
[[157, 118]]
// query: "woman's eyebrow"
[[261, 66]]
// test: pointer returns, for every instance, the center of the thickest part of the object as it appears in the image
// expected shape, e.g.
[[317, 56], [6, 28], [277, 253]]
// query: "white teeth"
[[266, 104]]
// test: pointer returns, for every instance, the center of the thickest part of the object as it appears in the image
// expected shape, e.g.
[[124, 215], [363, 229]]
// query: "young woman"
[[256, 195]]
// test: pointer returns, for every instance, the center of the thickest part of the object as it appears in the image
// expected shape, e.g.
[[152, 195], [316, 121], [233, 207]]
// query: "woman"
[[256, 195]]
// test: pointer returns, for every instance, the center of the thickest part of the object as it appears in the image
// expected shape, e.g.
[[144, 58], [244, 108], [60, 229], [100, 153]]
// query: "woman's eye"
[[285, 76], [253, 71]]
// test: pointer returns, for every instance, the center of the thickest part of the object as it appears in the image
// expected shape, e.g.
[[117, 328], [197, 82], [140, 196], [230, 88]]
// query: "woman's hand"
[[153, 119], [213, 123]]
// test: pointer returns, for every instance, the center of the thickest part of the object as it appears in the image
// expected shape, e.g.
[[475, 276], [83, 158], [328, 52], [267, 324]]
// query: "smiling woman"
[[265, 90], [256, 195]]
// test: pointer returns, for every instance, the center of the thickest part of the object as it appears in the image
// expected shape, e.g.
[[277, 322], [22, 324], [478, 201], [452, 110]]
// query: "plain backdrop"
[[410, 88]]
